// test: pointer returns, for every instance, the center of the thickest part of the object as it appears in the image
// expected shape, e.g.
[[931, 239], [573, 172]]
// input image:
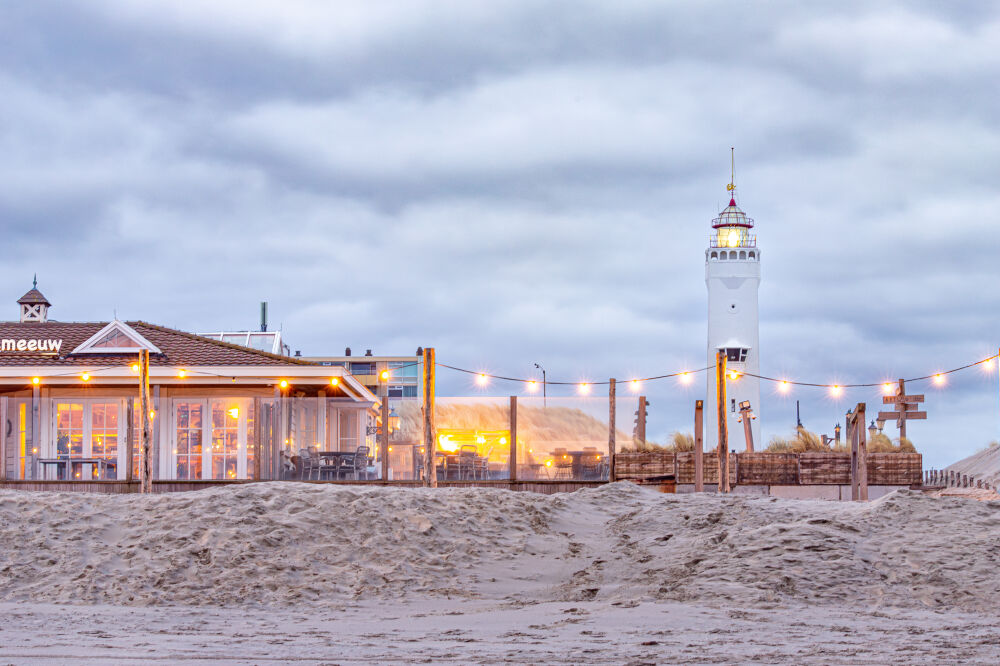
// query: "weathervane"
[[732, 177]]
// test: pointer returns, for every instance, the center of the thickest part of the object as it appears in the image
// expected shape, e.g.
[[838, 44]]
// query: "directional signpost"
[[906, 408]]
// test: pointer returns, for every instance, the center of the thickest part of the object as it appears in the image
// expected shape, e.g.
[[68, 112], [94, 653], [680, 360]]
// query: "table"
[[342, 460], [576, 460], [66, 465]]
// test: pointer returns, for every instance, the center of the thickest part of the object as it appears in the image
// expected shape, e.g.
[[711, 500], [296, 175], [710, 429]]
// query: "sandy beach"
[[272, 573]]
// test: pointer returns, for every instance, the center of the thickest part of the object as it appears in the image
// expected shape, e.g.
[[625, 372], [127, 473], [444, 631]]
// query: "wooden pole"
[[852, 432], [902, 407], [146, 438], [611, 431], [383, 439], [430, 431], [720, 397], [746, 413], [512, 458], [129, 439], [699, 446], [862, 452], [640, 424]]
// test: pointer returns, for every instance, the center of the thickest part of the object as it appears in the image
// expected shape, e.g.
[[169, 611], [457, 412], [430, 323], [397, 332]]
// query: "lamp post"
[[543, 385], [872, 429]]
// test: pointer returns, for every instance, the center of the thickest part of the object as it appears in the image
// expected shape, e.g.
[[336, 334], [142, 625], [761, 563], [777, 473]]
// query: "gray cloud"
[[520, 182]]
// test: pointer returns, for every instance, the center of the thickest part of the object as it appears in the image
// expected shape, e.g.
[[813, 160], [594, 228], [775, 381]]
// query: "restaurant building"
[[221, 411]]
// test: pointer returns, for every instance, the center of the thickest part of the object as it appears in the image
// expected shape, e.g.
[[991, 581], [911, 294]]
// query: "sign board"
[[894, 416], [11, 345], [890, 399]]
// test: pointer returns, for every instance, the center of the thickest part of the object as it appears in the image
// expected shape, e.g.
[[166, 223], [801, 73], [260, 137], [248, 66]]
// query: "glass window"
[[189, 425], [225, 439], [236, 339], [104, 435], [251, 442], [262, 341], [410, 391], [348, 430], [115, 339], [404, 368], [69, 430], [362, 368]]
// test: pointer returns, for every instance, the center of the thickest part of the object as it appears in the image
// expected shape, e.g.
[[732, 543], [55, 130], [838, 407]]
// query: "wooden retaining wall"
[[774, 469], [125, 487]]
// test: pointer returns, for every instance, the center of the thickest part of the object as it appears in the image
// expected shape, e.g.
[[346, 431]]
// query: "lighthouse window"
[[743, 255], [736, 354], [752, 255], [715, 255]]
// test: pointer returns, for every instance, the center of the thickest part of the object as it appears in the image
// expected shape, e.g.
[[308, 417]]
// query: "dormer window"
[[116, 338], [736, 354]]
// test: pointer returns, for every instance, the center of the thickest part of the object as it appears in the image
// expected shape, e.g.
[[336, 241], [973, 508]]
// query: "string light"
[[836, 390], [182, 373], [36, 381], [939, 379], [85, 376], [385, 374], [733, 375], [635, 385], [988, 365], [887, 388], [584, 388], [283, 383], [784, 386], [135, 367], [334, 381], [481, 379], [532, 386], [685, 378]]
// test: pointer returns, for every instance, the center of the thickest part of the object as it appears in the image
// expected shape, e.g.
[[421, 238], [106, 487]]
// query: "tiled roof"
[[32, 297], [178, 348]]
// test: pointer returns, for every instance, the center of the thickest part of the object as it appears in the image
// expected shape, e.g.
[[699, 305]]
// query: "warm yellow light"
[[988, 364], [182, 373], [36, 381], [481, 379], [234, 412], [685, 378], [390, 448], [334, 381], [85, 376], [733, 238], [783, 386], [135, 367], [634, 385], [503, 440], [446, 443], [836, 390], [152, 415], [34, 450], [385, 374], [283, 383], [532, 386], [733, 375], [584, 388], [548, 463], [939, 379], [887, 388]]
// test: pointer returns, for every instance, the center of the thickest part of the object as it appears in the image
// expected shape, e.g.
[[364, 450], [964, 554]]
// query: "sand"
[[983, 465], [325, 574]]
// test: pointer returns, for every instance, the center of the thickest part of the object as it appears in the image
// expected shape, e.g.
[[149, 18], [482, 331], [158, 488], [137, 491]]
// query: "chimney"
[[420, 351], [347, 352], [368, 352], [263, 316], [298, 353]]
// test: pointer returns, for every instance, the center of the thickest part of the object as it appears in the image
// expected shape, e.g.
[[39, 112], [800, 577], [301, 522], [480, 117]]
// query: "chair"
[[467, 457], [307, 465], [359, 464], [563, 464], [590, 464]]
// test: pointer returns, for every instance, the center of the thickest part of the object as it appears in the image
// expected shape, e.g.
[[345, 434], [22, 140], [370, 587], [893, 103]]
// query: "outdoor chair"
[[307, 465], [563, 464], [467, 458], [359, 465]]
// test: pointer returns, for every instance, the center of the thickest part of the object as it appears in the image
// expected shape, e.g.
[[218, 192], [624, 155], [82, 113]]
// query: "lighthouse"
[[732, 275]]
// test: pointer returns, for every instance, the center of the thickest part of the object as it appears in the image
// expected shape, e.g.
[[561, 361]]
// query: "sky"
[[520, 182]]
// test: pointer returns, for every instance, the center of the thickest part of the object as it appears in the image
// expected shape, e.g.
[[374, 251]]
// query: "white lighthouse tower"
[[732, 274]]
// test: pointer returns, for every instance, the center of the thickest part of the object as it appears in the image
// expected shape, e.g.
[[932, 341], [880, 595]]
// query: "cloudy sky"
[[520, 182]]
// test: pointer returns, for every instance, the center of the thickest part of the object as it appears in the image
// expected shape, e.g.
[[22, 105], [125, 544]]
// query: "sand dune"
[[282, 545]]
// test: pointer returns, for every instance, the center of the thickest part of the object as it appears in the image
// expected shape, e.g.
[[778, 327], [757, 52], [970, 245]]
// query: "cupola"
[[34, 306]]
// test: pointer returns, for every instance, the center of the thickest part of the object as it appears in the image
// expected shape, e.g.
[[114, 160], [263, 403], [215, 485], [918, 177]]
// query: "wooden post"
[[903, 407], [430, 431], [862, 452], [512, 458], [640, 424], [720, 397], [383, 438], [129, 438], [746, 414], [852, 436], [699, 446], [36, 432], [611, 430], [146, 438]]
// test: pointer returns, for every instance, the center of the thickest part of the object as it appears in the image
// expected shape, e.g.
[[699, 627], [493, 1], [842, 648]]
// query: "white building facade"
[[732, 275]]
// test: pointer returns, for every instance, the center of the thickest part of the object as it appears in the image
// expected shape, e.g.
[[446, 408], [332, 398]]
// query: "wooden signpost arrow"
[[906, 408]]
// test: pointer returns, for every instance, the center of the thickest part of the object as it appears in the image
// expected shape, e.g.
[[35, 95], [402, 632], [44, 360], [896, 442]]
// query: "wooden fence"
[[774, 469]]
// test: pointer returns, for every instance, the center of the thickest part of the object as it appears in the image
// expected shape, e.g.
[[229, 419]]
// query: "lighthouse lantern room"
[[732, 275]]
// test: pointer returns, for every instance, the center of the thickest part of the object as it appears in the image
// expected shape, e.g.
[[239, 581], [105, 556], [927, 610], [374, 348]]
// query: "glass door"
[[188, 434], [210, 438]]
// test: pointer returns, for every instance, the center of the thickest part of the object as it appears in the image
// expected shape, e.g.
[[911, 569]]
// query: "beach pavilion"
[[69, 394]]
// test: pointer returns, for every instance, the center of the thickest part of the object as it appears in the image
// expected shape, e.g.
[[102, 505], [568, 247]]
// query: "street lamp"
[[393, 421], [872, 429], [543, 384]]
